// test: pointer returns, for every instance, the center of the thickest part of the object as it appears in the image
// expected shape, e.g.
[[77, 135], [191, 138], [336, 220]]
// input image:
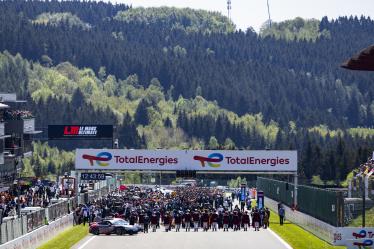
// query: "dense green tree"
[[141, 113], [128, 134], [213, 143]]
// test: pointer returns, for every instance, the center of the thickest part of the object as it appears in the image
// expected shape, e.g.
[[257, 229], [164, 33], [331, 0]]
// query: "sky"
[[253, 13]]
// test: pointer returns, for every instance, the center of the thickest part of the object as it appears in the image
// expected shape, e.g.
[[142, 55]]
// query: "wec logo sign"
[[80, 130]]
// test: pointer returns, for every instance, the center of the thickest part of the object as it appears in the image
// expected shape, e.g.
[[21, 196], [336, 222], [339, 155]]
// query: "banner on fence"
[[354, 237]]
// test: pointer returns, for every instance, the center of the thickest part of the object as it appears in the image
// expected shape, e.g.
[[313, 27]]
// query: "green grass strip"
[[67, 238], [297, 237], [369, 219]]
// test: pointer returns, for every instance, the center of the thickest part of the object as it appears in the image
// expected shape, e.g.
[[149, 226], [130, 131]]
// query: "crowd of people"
[[365, 168], [38, 194], [188, 208], [17, 114]]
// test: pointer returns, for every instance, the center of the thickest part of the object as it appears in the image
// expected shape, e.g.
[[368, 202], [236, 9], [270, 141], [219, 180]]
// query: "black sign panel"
[[93, 176], [186, 173], [80, 132]]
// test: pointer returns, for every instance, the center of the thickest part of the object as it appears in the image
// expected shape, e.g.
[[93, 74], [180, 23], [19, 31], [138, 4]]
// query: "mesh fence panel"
[[58, 210], [325, 205], [35, 220], [4, 235]]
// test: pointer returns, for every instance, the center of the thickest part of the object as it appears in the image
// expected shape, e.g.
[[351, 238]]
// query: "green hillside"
[[183, 78], [185, 19]]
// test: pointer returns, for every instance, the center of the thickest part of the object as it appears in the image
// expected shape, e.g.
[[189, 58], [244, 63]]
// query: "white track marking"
[[276, 236], [85, 243]]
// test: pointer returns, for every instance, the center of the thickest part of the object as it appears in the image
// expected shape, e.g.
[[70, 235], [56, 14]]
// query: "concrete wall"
[[41, 235]]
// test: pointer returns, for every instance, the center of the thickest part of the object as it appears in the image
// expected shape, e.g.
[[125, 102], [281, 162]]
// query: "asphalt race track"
[[264, 239]]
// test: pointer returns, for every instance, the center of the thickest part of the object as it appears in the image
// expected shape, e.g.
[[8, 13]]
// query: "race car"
[[113, 226]]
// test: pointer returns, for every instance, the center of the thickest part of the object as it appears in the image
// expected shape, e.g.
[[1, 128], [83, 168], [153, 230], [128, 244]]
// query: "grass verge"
[[297, 237], [369, 219], [67, 238]]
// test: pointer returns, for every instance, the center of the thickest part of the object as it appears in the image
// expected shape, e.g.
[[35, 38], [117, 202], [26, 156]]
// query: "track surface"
[[264, 239]]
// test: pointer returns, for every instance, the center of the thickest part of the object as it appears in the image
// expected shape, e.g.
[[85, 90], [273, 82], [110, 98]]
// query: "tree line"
[[285, 80], [150, 118], [165, 86]]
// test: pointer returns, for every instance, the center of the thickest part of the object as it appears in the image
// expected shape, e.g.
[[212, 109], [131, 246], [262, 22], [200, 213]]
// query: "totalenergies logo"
[[101, 159], [213, 160], [360, 235], [366, 243]]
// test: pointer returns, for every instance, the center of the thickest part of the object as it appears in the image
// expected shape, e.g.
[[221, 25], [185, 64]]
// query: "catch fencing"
[[325, 205], [319, 228], [13, 228]]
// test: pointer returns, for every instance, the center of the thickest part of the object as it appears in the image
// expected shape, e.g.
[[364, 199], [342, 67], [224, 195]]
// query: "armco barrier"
[[39, 236], [319, 228]]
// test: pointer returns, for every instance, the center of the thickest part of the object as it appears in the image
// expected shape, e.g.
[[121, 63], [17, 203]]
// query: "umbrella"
[[362, 61], [122, 187]]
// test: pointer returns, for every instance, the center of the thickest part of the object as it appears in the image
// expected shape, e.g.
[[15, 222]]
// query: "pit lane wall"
[[37, 237]]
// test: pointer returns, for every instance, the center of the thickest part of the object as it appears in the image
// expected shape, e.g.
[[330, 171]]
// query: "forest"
[[180, 78]]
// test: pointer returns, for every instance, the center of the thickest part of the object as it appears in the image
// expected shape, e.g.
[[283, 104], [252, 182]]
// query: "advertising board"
[[195, 160], [354, 237], [56, 132]]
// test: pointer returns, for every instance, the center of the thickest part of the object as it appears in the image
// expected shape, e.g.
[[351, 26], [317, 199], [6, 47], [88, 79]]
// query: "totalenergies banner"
[[354, 237], [199, 160]]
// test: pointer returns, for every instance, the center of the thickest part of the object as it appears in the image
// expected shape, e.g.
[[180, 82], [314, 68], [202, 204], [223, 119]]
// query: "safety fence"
[[319, 228], [14, 228], [325, 205], [58, 210], [39, 236]]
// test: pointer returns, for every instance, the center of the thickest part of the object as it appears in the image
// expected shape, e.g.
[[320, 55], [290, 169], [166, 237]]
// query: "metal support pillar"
[[295, 190], [363, 201], [77, 186]]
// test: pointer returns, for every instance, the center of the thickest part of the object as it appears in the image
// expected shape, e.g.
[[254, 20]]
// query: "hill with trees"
[[180, 78], [57, 19], [296, 29], [284, 80], [186, 19], [151, 118]]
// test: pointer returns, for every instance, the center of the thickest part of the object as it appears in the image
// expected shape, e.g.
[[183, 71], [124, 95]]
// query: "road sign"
[[93, 176]]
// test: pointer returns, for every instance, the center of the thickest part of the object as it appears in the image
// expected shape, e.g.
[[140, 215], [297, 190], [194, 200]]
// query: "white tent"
[[3, 106]]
